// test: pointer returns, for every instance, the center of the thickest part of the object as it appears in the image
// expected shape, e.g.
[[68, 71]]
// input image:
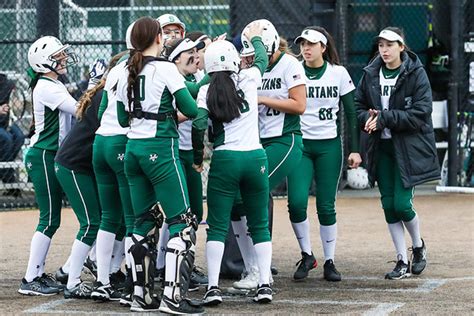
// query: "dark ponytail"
[[223, 101]]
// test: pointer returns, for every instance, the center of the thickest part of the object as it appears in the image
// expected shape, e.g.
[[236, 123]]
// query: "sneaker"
[[105, 292], [307, 262], [330, 271], [36, 287], [90, 267], [117, 280], [81, 291], [127, 298], [139, 305], [249, 281], [198, 277], [401, 270], [50, 281], [264, 294], [61, 276], [185, 306], [192, 287], [419, 258], [212, 297]]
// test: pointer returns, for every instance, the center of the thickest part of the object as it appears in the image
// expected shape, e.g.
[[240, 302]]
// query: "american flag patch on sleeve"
[[296, 77]]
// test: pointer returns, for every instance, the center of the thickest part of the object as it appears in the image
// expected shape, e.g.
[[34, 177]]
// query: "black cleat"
[[107, 292], [61, 276], [330, 271], [307, 263], [81, 291], [36, 287], [140, 305], [212, 297], [185, 306], [117, 280], [401, 270], [264, 294], [419, 259]]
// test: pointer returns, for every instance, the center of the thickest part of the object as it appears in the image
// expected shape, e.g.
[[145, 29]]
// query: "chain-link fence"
[[96, 29]]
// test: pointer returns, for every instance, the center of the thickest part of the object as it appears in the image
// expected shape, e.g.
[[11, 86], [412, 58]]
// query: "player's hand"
[[199, 168], [371, 124], [354, 160], [182, 118], [97, 71], [254, 29], [4, 108]]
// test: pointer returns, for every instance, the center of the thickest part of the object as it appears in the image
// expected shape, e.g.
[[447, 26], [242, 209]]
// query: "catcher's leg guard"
[[143, 267]]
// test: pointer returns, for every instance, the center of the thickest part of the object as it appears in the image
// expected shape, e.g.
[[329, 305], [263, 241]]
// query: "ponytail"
[[86, 99], [223, 101], [135, 66]]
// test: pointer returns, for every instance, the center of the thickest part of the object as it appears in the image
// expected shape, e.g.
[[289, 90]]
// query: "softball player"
[[327, 83], [239, 162], [393, 103], [172, 27], [281, 100], [53, 108], [73, 167], [153, 169]]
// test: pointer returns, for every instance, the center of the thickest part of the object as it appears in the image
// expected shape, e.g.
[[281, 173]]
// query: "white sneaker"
[[249, 282]]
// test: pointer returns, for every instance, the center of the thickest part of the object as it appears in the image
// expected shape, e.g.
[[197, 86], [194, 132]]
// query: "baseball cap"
[[183, 45], [390, 36], [312, 36]]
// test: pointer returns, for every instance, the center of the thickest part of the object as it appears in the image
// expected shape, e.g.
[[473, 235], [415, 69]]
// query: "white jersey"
[[322, 102], [158, 81], [241, 134], [51, 124], [386, 86], [285, 74], [109, 125], [184, 128]]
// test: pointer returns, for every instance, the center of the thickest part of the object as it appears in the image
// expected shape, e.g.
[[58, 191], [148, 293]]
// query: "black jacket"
[[75, 152], [408, 118]]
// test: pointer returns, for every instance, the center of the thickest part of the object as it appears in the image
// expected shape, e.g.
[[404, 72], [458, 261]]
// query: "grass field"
[[363, 250]]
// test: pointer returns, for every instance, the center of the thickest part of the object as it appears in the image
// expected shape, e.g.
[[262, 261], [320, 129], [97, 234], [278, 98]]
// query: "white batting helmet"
[[41, 52], [221, 56], [270, 38], [358, 178]]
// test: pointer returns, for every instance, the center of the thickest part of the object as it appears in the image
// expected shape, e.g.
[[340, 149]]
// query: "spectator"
[[11, 136]]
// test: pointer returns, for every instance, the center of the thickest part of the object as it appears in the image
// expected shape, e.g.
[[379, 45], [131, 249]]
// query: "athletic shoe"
[[198, 277], [127, 298], [139, 305], [193, 287], [264, 294], [117, 280], [36, 287], [249, 281], [330, 271], [62, 276], [105, 292], [82, 291], [307, 262], [50, 281], [419, 258], [212, 297], [90, 267], [401, 270], [185, 306]]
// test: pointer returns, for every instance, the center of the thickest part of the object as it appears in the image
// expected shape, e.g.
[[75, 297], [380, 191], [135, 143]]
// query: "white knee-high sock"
[[302, 235], [245, 244], [398, 237], [264, 259], [38, 250], [104, 247], [92, 253], [79, 253], [413, 228], [66, 265], [161, 247], [214, 254], [170, 268], [328, 239], [118, 254], [128, 244]]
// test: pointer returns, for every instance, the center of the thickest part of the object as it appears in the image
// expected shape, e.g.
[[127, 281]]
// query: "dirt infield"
[[363, 249]]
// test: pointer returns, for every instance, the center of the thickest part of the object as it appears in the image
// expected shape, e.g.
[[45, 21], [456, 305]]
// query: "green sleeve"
[[197, 135], [103, 104], [194, 87], [261, 58], [122, 115], [349, 110], [185, 103]]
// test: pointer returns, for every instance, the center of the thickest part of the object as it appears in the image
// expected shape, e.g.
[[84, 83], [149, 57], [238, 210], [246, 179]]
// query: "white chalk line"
[[383, 309]]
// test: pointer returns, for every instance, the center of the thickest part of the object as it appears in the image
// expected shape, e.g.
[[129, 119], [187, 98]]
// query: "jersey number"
[[244, 106], [272, 112], [325, 114]]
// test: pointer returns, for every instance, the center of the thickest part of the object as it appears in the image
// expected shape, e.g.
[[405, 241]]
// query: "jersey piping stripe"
[[49, 192], [83, 203], [177, 172], [286, 156], [340, 172]]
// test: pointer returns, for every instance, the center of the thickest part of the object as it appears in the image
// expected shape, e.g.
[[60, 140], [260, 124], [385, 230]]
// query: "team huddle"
[[131, 163]]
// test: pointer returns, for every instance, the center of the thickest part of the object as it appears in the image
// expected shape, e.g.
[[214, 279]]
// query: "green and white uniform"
[[53, 108], [322, 157], [280, 132]]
